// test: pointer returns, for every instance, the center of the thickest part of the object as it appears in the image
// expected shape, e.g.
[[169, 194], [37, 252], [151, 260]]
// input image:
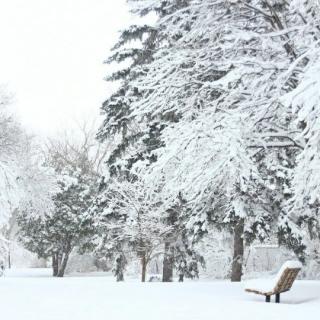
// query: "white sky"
[[51, 57]]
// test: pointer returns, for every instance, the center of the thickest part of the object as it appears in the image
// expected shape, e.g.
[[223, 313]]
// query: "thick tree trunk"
[[181, 277], [168, 262], [144, 268], [120, 267], [63, 265], [120, 277], [55, 264], [238, 250]]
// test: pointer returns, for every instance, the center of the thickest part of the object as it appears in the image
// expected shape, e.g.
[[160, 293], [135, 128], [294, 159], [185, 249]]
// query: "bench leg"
[[278, 298], [267, 298]]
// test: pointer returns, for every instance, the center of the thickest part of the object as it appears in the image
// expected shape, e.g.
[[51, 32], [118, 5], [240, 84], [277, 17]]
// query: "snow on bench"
[[282, 282]]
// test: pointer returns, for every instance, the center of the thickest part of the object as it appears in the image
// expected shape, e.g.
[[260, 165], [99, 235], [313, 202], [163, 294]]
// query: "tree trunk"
[[120, 277], [238, 250], [121, 262], [55, 264], [63, 265], [168, 262], [9, 259], [144, 268]]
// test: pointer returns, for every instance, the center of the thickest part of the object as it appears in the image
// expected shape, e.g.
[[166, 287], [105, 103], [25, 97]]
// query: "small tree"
[[68, 225], [127, 214], [57, 233]]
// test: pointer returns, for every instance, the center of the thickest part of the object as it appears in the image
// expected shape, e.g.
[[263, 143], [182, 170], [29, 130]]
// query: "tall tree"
[[222, 71], [135, 141], [217, 84]]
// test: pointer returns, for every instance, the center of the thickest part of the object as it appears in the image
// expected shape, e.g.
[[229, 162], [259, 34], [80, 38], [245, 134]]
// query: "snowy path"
[[33, 295]]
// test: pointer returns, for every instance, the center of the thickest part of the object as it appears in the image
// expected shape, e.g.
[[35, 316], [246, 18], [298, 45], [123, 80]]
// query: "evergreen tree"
[[67, 226], [222, 71], [56, 234], [136, 141], [208, 115]]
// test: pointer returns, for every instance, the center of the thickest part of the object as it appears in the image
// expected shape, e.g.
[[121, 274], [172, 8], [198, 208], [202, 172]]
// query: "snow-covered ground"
[[33, 295]]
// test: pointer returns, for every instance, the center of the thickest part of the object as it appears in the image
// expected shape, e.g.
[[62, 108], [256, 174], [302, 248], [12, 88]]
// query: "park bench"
[[281, 283]]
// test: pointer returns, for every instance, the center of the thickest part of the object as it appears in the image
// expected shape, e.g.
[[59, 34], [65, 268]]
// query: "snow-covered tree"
[[304, 102], [135, 142], [25, 184], [128, 220], [12, 139], [221, 71], [223, 113], [67, 226]]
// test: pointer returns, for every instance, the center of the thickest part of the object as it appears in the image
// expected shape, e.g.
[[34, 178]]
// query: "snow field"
[[34, 295]]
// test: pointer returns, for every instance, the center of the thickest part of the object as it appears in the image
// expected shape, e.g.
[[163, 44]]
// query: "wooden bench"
[[282, 283]]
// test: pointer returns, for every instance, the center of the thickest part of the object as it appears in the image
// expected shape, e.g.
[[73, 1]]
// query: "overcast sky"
[[51, 57]]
